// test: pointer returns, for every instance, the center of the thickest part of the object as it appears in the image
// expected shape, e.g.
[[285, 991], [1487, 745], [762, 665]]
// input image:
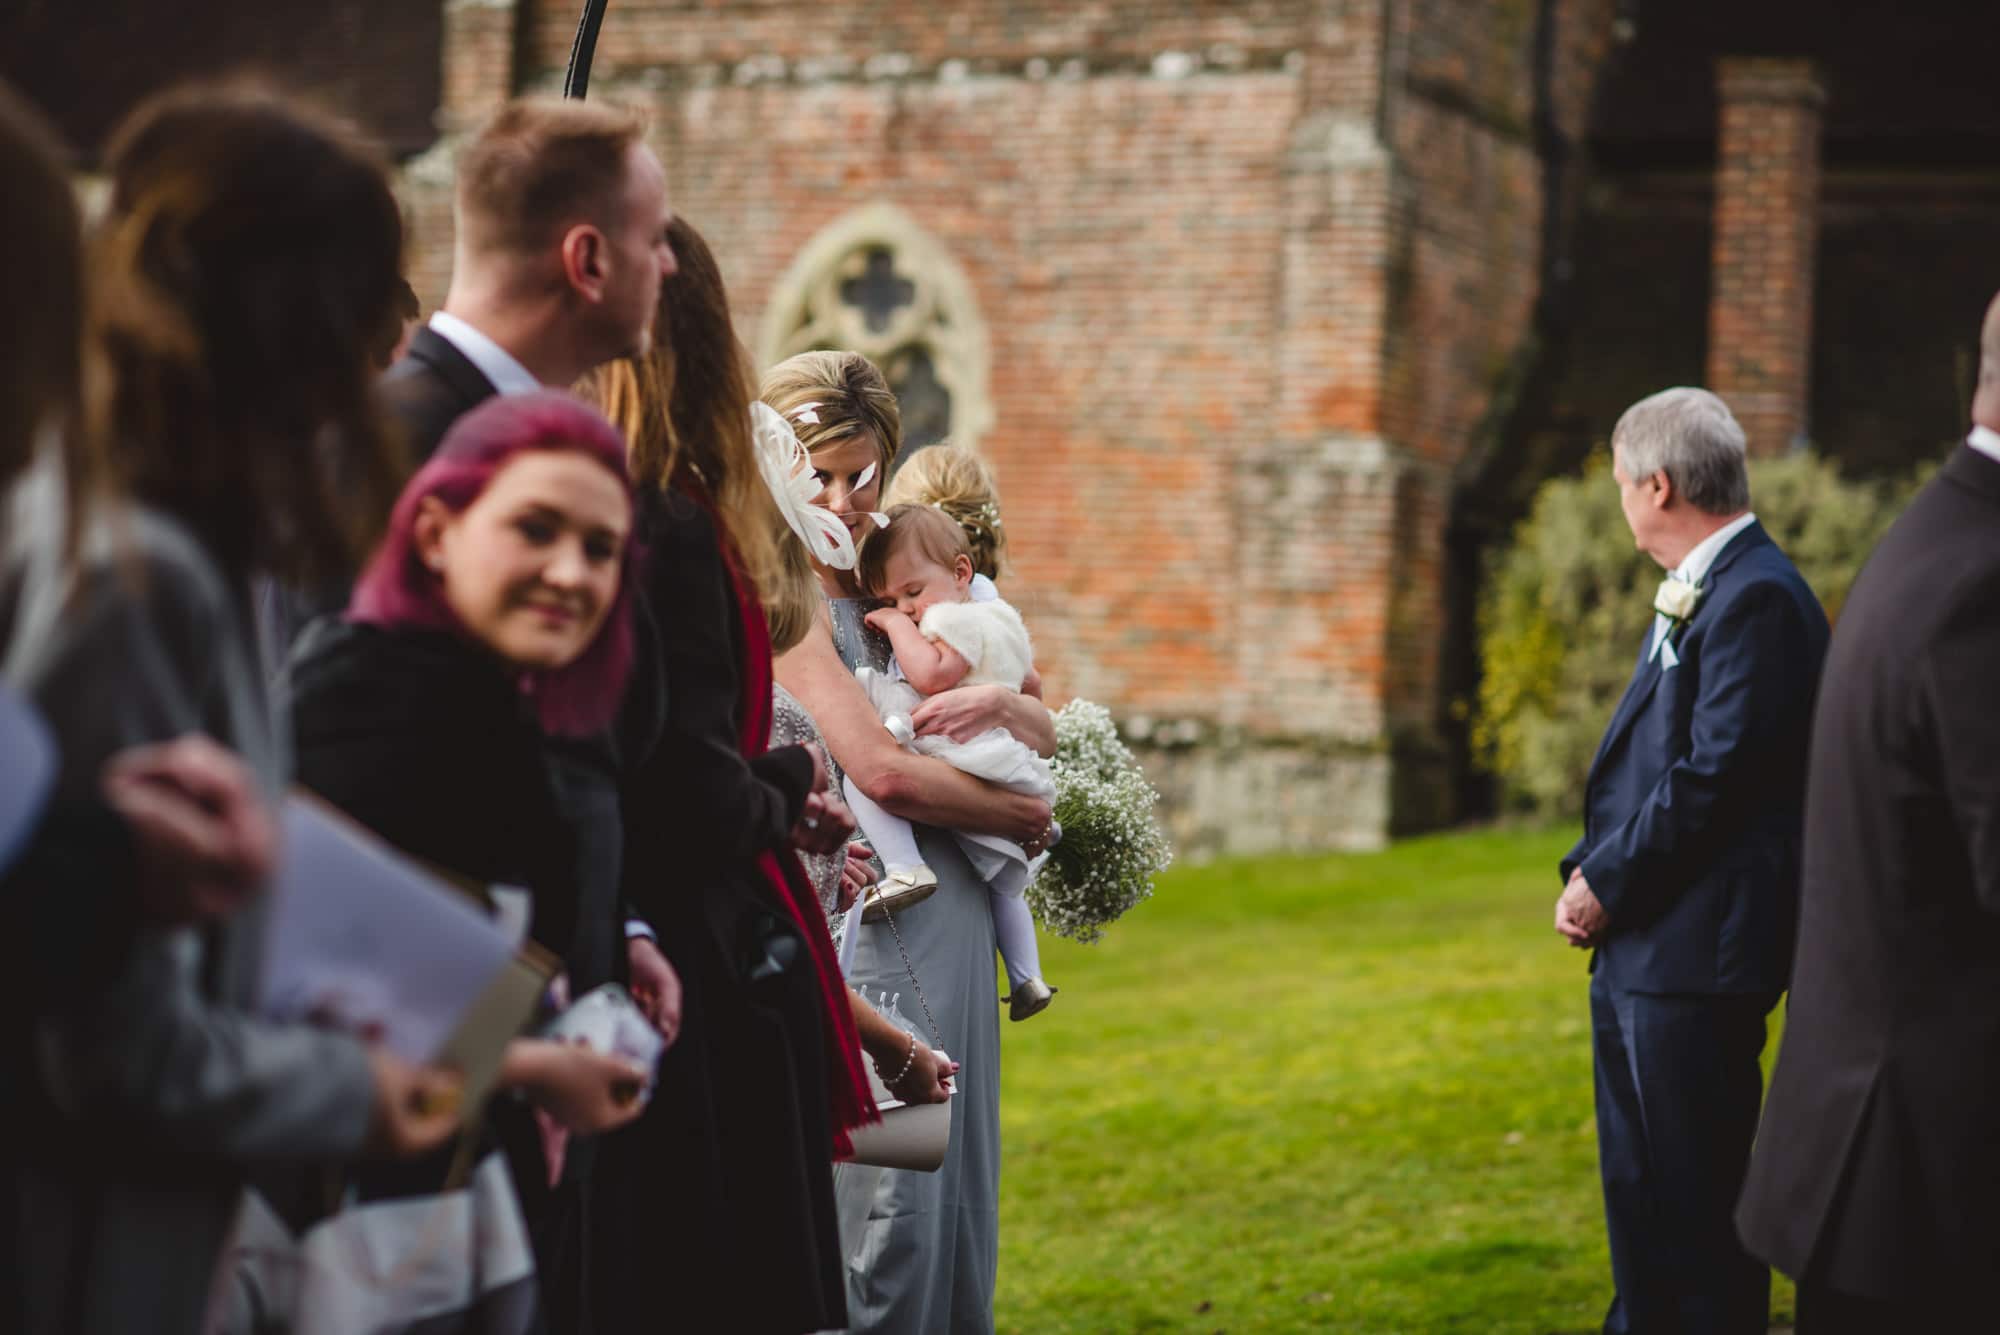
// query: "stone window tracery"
[[876, 283]]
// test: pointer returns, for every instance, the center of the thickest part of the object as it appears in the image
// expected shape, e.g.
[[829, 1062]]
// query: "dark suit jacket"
[[1878, 1162], [1693, 811], [422, 737], [430, 388]]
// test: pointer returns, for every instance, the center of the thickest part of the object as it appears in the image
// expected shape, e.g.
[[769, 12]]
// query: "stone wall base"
[[1269, 797]]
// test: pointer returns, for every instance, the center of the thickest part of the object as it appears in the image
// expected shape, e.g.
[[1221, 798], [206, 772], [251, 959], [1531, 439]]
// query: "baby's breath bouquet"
[[1111, 849]]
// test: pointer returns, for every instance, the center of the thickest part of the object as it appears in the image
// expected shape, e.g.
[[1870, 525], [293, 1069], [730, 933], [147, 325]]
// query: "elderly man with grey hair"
[[1685, 884]]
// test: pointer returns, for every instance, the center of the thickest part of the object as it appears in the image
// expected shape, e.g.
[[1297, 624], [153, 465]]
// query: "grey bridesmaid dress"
[[925, 1259]]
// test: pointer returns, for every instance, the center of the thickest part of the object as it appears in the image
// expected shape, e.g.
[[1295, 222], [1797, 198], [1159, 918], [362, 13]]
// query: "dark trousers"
[[1678, 1091]]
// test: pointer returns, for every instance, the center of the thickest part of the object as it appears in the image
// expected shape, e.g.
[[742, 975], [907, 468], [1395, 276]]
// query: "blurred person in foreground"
[[1876, 1178], [1685, 883], [246, 264], [176, 833]]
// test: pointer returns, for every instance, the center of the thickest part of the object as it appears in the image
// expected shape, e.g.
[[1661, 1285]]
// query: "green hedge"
[[1565, 605]]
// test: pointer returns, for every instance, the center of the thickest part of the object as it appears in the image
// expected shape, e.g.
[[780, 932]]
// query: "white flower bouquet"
[[1111, 849]]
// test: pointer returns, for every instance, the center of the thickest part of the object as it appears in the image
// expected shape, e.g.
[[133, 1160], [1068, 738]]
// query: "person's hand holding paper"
[[585, 1091]]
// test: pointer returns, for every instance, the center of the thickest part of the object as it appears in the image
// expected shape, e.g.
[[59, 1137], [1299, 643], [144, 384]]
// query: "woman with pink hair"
[[495, 615]]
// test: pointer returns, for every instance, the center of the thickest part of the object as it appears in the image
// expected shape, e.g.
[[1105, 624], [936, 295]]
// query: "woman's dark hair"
[[249, 261], [41, 271]]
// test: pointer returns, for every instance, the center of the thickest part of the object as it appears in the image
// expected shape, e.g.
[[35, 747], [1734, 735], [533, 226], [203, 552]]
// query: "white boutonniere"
[[1677, 600]]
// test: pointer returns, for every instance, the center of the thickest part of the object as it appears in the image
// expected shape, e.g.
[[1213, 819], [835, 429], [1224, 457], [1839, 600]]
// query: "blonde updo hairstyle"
[[953, 479], [849, 396]]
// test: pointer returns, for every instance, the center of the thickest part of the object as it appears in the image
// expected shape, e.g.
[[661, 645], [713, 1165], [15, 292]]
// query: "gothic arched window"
[[874, 282]]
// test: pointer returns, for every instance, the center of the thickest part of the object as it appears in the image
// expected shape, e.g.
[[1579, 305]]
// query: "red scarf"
[[848, 1097]]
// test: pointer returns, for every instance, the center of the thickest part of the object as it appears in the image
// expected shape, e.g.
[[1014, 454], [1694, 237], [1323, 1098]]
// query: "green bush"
[[1564, 608]]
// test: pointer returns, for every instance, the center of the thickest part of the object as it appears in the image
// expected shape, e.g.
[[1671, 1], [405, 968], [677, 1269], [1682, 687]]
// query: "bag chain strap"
[[909, 968]]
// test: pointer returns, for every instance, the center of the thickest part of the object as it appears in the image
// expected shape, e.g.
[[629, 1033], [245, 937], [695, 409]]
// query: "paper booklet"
[[364, 938], [476, 1049]]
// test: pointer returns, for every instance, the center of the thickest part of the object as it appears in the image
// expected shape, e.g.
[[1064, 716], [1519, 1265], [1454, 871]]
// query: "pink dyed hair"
[[396, 590]]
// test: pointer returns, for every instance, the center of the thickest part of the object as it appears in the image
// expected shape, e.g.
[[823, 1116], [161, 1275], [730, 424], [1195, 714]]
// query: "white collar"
[[497, 364], [1986, 440], [1694, 568]]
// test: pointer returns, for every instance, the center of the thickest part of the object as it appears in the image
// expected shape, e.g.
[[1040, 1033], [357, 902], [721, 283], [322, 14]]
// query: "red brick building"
[[1270, 314]]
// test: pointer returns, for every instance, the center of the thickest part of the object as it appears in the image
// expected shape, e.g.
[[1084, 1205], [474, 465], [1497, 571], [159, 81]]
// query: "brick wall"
[[1767, 174], [1249, 272]]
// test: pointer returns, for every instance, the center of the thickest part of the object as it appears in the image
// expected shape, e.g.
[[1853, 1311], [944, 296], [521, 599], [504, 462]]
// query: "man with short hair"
[[1876, 1179], [1685, 883], [561, 247]]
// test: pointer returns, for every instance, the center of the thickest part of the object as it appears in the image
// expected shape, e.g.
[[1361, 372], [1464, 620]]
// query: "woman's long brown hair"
[[248, 263], [41, 333], [685, 406]]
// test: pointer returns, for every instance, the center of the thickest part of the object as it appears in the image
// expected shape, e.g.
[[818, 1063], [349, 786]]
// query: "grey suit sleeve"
[[1962, 667], [153, 1057], [164, 1049]]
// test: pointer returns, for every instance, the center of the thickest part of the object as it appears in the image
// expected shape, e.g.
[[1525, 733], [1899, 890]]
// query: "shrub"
[[1565, 606]]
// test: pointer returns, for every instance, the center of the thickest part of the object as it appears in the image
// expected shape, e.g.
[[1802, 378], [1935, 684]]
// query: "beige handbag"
[[911, 1136]]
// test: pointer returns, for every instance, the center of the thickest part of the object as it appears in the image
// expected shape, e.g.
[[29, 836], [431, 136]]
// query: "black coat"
[[68, 898], [589, 776], [423, 738], [725, 1215], [1877, 1164]]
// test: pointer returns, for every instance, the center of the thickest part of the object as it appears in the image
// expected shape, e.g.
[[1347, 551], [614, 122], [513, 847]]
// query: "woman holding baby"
[[926, 1258]]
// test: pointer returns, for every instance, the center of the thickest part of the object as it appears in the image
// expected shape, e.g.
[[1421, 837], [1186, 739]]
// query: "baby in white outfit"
[[944, 637]]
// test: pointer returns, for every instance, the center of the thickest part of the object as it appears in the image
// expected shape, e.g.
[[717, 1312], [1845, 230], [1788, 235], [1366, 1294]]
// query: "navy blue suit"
[[1692, 830]]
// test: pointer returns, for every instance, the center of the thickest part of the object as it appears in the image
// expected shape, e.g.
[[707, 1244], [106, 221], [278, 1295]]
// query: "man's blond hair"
[[540, 166]]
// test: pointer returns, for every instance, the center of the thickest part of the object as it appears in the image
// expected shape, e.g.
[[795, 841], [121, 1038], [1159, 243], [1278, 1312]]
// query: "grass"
[[1345, 1093]]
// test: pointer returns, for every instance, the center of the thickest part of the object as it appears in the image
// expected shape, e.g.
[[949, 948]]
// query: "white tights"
[[895, 842]]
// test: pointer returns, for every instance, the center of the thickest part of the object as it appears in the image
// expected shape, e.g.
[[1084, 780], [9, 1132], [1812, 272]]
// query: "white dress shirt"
[[497, 364], [1986, 440], [1694, 567]]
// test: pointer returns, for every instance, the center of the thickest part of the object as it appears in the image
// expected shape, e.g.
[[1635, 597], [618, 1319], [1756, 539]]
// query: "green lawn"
[[1345, 1093]]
